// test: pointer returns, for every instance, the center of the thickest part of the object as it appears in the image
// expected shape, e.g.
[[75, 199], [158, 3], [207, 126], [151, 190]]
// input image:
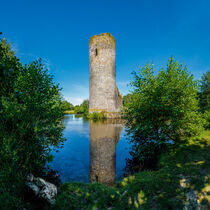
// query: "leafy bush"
[[83, 108], [30, 120], [97, 116], [206, 116], [161, 108], [205, 92], [67, 106], [126, 99], [205, 98]]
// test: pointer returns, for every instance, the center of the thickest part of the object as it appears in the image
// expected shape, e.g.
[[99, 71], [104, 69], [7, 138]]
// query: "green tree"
[[205, 97], [67, 106], [126, 99], [205, 92], [83, 108], [30, 122], [162, 107], [77, 109]]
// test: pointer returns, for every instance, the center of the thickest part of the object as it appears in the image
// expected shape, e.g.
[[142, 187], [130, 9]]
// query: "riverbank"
[[182, 180], [69, 112]]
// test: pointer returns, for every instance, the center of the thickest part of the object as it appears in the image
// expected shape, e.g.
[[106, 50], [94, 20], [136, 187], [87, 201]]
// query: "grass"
[[97, 116], [182, 180], [92, 116], [69, 112]]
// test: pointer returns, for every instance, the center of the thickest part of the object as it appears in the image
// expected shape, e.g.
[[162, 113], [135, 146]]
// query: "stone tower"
[[103, 92]]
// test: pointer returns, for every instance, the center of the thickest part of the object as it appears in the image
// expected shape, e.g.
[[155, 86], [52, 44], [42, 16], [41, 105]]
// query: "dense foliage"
[[205, 92], [83, 108], [67, 106], [205, 97], [97, 116], [163, 108], [127, 99], [30, 122]]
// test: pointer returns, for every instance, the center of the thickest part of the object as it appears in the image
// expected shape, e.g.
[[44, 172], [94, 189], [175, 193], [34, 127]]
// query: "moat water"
[[93, 151]]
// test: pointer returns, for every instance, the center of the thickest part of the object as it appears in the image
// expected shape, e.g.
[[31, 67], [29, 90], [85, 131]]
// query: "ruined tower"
[[103, 92]]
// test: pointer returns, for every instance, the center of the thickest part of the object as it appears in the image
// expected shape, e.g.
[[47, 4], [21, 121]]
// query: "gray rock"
[[39, 182], [30, 178], [48, 192], [41, 188], [33, 187]]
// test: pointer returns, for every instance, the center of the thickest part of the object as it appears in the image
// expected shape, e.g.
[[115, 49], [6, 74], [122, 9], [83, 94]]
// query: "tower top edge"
[[100, 37]]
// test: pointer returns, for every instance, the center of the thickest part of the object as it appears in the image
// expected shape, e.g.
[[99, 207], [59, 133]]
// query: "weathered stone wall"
[[104, 137], [103, 92]]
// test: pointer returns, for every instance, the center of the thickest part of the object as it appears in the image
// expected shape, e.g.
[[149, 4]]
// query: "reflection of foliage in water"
[[135, 164]]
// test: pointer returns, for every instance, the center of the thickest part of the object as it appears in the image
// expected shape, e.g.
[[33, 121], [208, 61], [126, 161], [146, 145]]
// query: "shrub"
[[97, 116], [83, 108], [30, 120], [205, 92], [206, 116], [67, 106], [205, 98], [161, 108]]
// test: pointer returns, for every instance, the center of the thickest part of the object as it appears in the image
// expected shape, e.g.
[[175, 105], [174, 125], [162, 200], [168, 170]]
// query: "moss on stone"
[[100, 37]]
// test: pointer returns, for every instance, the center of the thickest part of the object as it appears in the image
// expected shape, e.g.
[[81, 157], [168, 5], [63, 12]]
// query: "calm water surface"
[[94, 151]]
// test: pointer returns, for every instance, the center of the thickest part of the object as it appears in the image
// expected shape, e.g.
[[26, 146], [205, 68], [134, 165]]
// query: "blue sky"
[[144, 30]]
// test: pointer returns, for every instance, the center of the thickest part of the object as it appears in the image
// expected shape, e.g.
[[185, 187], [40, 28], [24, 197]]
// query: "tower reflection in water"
[[104, 137]]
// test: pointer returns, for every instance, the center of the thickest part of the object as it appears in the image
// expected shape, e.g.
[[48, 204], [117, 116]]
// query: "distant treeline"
[[77, 109], [82, 109]]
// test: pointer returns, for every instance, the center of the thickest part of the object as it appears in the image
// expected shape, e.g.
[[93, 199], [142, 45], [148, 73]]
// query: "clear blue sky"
[[144, 30]]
